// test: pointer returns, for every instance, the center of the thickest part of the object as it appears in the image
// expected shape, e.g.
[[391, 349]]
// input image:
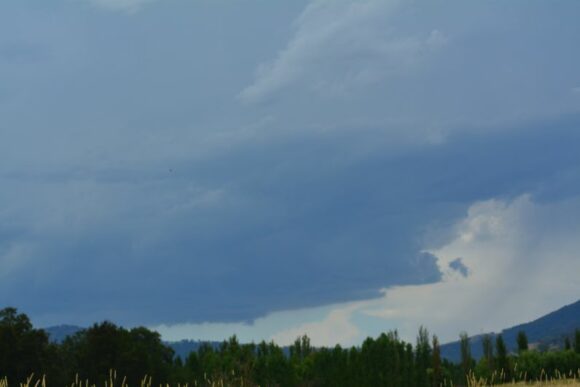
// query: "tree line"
[[387, 360]]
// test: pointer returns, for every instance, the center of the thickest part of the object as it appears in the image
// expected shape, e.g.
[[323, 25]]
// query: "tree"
[[466, 359], [485, 366], [522, 341], [272, 367], [19, 322], [487, 345], [567, 345], [299, 354], [103, 347], [437, 374], [145, 353], [577, 341], [23, 349], [502, 358], [423, 356], [301, 347]]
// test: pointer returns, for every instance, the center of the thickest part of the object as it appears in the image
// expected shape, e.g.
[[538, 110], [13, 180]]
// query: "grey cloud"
[[381, 66], [21, 53], [258, 229], [133, 178], [458, 265]]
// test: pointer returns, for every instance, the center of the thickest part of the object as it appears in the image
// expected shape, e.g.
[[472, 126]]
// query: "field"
[[41, 382], [571, 379], [552, 383], [560, 383]]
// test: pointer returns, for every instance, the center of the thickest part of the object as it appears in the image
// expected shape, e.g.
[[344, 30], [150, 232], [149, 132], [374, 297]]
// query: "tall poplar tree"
[[502, 358], [487, 345], [466, 359], [423, 356], [437, 374], [522, 341]]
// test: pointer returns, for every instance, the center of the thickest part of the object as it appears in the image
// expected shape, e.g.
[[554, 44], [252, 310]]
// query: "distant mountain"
[[183, 348], [548, 331], [58, 333]]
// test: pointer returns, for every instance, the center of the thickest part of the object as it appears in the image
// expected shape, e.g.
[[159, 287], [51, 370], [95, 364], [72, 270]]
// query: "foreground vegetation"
[[561, 380], [549, 383], [87, 358], [31, 382]]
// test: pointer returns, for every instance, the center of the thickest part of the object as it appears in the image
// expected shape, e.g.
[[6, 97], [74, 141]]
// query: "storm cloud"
[[171, 165]]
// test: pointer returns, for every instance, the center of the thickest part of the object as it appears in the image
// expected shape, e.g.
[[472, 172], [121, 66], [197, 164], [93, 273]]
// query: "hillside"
[[58, 333], [546, 331]]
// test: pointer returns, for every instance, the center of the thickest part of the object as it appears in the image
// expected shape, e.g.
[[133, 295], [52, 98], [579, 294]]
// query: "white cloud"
[[326, 326], [523, 262], [336, 327], [262, 328], [339, 45]]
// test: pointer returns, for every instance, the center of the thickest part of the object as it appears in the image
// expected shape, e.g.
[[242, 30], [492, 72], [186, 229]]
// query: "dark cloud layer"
[[283, 234], [137, 186]]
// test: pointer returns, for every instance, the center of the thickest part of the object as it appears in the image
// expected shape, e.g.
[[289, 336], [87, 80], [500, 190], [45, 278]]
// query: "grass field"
[[553, 383], [33, 381], [558, 383]]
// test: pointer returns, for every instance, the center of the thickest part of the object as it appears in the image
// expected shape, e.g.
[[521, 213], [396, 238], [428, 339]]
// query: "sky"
[[270, 169]]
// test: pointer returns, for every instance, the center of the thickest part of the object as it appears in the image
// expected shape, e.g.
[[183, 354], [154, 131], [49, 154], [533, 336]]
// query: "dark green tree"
[[300, 352], [502, 361], [193, 366], [577, 341], [408, 363], [567, 344], [423, 357], [522, 341], [93, 352], [209, 361], [437, 372], [487, 346], [466, 359], [272, 367], [23, 349], [145, 353], [485, 366]]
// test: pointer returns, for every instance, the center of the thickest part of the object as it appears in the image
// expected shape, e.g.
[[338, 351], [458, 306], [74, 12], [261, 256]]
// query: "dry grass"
[[554, 383], [570, 379], [33, 381]]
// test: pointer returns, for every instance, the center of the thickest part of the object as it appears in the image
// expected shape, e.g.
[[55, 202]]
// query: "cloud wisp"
[[130, 6], [338, 46]]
